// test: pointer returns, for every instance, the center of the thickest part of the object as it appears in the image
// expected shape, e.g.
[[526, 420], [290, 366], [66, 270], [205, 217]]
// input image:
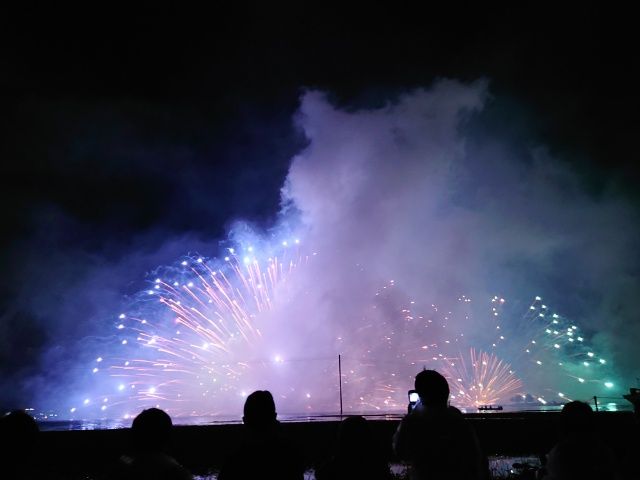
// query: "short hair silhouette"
[[577, 417], [151, 430], [259, 410], [264, 450], [354, 433], [19, 427], [432, 387], [19, 434]]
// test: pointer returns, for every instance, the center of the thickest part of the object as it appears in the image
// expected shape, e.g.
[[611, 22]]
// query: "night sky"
[[151, 130]]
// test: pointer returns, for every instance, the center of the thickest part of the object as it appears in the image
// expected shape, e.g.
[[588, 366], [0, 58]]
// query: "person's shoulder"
[[454, 412], [416, 416], [454, 418]]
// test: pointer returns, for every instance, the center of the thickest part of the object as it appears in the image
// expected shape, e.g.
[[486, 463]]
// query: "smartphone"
[[413, 398]]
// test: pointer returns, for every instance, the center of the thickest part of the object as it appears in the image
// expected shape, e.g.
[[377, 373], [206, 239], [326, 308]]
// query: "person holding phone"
[[414, 398], [435, 438]]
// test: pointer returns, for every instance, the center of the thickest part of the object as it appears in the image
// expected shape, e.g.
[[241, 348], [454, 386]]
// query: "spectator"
[[19, 436], [435, 438], [150, 436], [264, 452], [357, 455], [579, 454], [634, 397], [630, 463]]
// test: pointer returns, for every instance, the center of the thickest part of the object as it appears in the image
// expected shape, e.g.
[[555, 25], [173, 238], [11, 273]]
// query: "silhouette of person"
[[579, 454], [634, 397], [19, 434], [435, 438], [264, 451], [631, 465], [357, 456], [150, 436]]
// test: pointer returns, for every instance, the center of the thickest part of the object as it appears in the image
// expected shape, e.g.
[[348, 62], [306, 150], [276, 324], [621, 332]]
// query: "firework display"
[[482, 379], [207, 332], [554, 350]]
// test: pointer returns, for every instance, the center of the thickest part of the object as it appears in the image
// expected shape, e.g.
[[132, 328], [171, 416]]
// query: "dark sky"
[[124, 127]]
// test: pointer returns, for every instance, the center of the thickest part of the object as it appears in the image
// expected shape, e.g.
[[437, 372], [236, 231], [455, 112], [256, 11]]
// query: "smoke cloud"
[[412, 217], [412, 192]]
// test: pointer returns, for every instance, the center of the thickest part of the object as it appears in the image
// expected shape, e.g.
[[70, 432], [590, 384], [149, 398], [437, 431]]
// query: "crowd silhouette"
[[434, 439]]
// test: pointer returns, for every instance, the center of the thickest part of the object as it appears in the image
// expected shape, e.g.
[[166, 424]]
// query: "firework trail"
[[555, 353], [394, 341], [538, 355], [205, 333], [194, 334]]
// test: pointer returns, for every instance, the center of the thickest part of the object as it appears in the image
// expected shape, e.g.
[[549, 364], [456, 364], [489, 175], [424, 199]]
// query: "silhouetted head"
[[259, 410], [18, 430], [151, 430], [576, 417], [355, 435], [432, 388], [20, 451]]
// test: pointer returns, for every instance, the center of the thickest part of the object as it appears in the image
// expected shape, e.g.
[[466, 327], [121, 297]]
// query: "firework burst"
[[191, 336], [205, 333], [556, 354], [480, 379]]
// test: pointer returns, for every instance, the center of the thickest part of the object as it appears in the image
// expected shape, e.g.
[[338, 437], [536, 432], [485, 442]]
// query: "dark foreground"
[[87, 454]]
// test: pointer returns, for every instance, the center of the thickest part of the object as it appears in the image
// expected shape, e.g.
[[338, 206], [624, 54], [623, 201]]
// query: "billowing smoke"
[[410, 192], [411, 220]]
